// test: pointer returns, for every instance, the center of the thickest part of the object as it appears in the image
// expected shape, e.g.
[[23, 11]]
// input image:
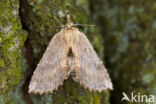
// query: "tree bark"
[[130, 45], [12, 38], [37, 18], [124, 37]]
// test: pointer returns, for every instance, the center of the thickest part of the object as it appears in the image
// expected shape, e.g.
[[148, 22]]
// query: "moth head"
[[69, 24]]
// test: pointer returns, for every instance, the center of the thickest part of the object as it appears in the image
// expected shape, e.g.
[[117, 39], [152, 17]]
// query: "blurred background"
[[124, 37]]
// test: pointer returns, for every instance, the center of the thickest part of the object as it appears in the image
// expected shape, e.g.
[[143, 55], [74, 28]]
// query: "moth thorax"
[[70, 35]]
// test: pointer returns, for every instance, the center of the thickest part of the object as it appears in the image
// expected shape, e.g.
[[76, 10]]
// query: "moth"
[[69, 51]]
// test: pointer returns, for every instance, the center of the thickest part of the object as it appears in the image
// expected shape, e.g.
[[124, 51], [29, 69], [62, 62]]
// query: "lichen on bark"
[[12, 38], [130, 46], [38, 19]]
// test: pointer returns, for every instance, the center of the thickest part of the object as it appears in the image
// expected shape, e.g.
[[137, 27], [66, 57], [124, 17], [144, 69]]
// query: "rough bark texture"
[[37, 18], [127, 44], [129, 33], [12, 38]]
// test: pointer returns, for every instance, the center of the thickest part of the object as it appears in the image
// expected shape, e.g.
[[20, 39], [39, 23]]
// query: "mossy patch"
[[38, 18], [12, 38], [128, 29]]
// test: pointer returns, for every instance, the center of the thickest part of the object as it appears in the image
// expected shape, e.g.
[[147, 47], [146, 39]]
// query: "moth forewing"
[[51, 70], [91, 72]]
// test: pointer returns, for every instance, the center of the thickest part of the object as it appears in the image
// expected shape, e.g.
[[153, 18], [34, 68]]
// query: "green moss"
[[129, 40], [11, 38], [97, 99], [2, 63], [39, 19], [73, 93]]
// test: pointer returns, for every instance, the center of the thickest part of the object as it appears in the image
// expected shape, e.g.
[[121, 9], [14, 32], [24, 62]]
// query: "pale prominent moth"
[[69, 51]]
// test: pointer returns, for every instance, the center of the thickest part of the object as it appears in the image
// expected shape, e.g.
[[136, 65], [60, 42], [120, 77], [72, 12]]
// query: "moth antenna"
[[82, 25], [57, 21], [68, 22]]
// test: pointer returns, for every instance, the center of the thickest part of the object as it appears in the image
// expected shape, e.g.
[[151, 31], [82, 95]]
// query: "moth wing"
[[51, 70], [90, 71]]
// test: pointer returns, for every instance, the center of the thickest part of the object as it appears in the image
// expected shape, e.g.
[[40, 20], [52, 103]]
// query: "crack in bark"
[[28, 54]]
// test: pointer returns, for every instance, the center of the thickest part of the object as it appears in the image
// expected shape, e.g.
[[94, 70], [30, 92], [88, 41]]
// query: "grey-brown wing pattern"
[[51, 70], [91, 72]]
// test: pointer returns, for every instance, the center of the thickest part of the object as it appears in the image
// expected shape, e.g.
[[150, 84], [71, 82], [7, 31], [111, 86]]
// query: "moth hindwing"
[[69, 51]]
